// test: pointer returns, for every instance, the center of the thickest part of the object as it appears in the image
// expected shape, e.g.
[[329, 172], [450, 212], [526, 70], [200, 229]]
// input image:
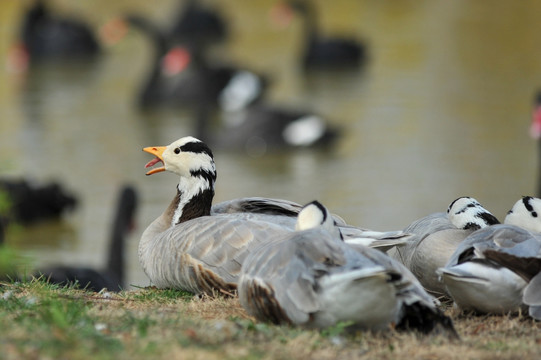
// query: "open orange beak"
[[158, 152]]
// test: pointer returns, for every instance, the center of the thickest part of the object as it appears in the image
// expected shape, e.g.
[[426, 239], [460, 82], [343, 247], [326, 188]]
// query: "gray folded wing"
[[507, 239], [279, 281], [433, 242], [206, 253], [512, 247]]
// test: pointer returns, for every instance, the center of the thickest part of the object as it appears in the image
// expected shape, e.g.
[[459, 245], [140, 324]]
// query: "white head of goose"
[[468, 214], [199, 247], [437, 236], [490, 270], [314, 279]]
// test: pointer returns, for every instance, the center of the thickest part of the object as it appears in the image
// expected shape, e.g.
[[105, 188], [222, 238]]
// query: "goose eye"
[[177, 151]]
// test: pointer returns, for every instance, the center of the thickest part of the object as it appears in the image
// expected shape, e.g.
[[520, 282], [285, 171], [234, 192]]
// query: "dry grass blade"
[[44, 321]]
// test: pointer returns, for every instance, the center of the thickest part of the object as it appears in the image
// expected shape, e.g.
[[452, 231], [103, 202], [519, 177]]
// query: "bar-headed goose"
[[314, 279], [437, 236], [199, 247], [495, 269]]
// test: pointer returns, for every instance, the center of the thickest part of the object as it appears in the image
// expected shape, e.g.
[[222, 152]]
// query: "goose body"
[[314, 279], [493, 267], [200, 248], [112, 276], [437, 236], [47, 37]]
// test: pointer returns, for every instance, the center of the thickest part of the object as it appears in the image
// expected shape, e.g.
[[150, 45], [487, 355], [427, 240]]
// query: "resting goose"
[[437, 236], [200, 248], [495, 269], [112, 276], [311, 278]]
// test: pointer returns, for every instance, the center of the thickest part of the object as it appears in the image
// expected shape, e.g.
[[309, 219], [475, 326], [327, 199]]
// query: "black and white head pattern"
[[192, 159], [526, 213], [468, 214], [314, 214]]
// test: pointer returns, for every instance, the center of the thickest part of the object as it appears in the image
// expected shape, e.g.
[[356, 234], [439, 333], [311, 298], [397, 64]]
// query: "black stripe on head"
[[488, 218], [526, 201], [471, 226], [454, 201], [197, 147], [207, 175]]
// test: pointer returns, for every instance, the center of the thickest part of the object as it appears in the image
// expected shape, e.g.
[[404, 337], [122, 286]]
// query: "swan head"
[[187, 157], [313, 215], [467, 213], [526, 213]]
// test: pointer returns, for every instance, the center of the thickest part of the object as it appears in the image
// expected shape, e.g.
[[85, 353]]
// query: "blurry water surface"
[[441, 110]]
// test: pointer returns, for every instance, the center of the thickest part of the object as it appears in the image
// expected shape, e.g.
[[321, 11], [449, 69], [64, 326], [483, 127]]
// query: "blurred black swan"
[[112, 277], [182, 76], [196, 23], [319, 51], [29, 202], [262, 128], [46, 36]]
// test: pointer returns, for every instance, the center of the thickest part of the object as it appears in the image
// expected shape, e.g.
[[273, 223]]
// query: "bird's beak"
[[158, 152]]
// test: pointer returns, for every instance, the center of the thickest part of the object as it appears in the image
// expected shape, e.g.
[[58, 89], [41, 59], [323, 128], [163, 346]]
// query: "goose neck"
[[193, 199]]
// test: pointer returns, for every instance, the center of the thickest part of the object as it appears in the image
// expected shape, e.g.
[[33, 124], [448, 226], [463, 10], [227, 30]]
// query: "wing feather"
[[289, 268], [207, 252]]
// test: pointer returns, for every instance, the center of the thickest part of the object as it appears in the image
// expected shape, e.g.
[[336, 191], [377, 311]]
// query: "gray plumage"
[[200, 248], [436, 237], [313, 279], [496, 269]]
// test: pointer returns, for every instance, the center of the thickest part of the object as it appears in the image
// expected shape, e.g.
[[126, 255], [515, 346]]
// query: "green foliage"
[[41, 320], [59, 325], [11, 263], [140, 324], [337, 330], [5, 203], [161, 295]]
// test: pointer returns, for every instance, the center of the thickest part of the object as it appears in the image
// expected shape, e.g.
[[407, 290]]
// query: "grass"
[[39, 320]]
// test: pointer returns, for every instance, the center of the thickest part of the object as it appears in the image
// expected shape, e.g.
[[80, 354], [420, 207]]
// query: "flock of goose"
[[304, 266]]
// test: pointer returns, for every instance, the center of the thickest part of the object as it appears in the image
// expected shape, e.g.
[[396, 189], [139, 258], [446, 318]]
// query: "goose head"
[[192, 160], [468, 214], [314, 214], [187, 157], [526, 213]]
